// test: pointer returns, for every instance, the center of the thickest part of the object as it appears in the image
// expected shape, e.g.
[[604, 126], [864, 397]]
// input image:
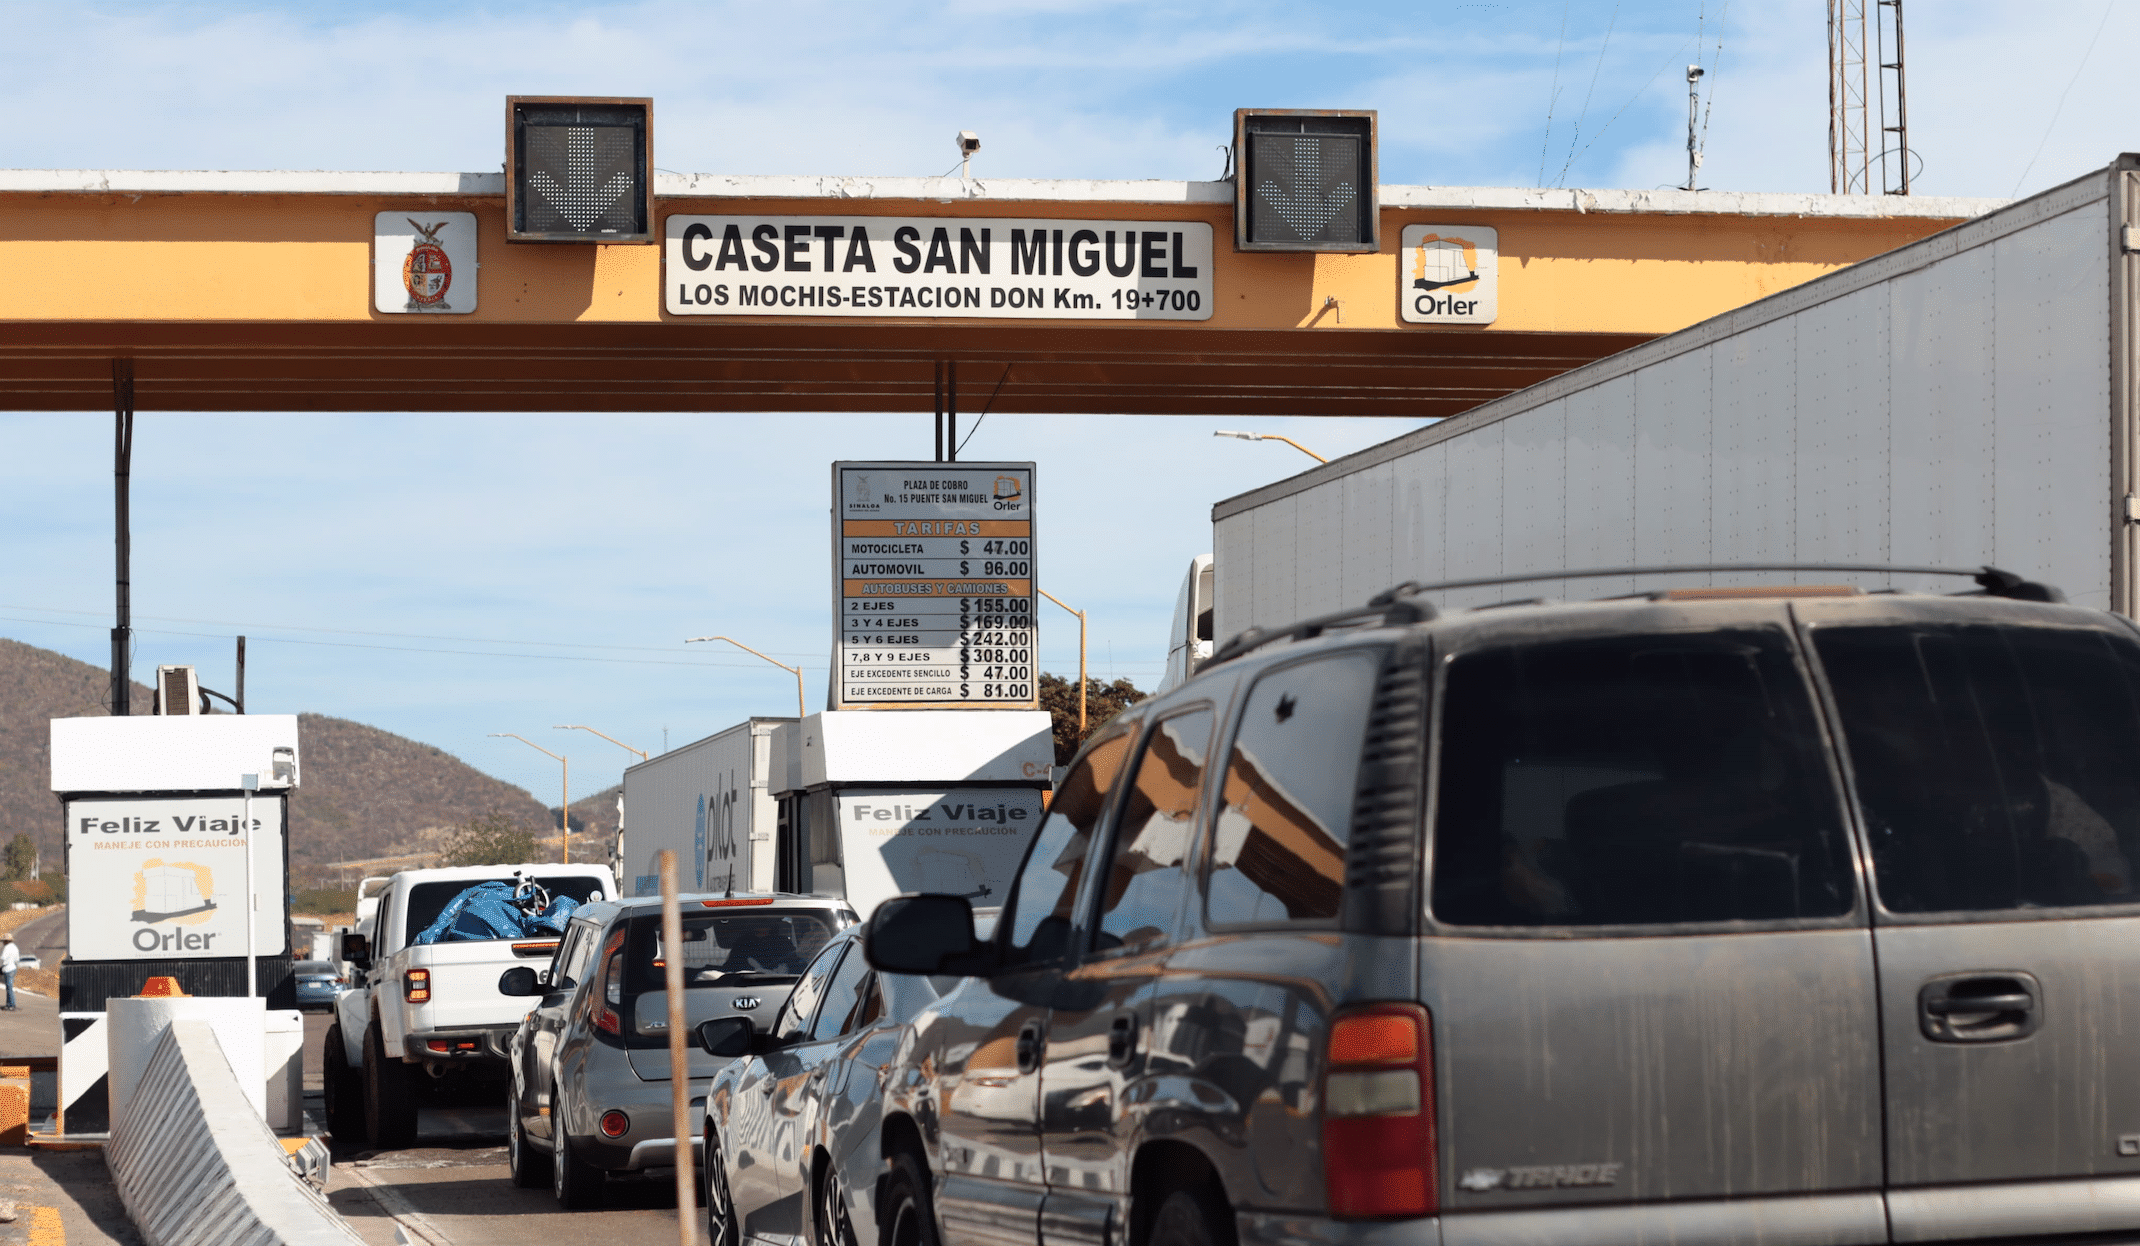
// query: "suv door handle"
[[1950, 1005], [1984, 1006], [1030, 1042], [1122, 1040]]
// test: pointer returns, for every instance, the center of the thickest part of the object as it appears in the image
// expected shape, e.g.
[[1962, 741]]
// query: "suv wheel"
[[389, 1096], [907, 1217], [342, 1088], [576, 1183], [1196, 1216], [525, 1165]]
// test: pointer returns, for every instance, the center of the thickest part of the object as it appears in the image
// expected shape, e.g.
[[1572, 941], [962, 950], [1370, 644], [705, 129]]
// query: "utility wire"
[[350, 644], [1670, 61], [1594, 72], [1702, 144], [985, 406], [1554, 99], [2062, 99], [349, 631]]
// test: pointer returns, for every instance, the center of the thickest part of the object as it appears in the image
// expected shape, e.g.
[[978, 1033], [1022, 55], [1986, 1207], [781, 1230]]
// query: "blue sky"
[[595, 544]]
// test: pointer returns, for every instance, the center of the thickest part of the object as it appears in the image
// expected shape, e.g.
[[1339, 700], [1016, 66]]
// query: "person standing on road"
[[10, 957]]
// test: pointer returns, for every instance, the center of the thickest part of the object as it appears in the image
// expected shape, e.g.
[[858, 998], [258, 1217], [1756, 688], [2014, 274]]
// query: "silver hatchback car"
[[590, 1063], [1709, 917]]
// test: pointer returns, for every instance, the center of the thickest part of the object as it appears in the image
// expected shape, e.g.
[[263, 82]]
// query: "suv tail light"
[[416, 986], [1378, 1113], [609, 991]]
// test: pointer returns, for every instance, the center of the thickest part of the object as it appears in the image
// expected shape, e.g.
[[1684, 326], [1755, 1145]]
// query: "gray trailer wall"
[[1949, 403]]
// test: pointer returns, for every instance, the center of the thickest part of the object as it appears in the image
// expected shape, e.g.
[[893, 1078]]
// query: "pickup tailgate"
[[464, 981]]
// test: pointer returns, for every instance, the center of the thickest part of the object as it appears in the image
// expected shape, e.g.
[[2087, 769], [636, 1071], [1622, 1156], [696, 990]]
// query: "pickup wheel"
[[342, 1088], [389, 1095], [907, 1217], [530, 1169]]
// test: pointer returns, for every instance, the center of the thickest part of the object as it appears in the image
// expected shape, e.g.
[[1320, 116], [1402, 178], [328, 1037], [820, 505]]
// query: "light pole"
[[800, 712], [1272, 437], [1080, 659], [612, 739], [564, 811], [250, 783]]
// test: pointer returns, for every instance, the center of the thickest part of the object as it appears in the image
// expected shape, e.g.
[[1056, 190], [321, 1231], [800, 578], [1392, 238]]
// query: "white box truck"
[[709, 803], [1964, 400], [863, 804]]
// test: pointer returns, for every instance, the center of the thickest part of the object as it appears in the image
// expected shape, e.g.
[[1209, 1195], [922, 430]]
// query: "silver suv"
[[1713, 916], [590, 1063]]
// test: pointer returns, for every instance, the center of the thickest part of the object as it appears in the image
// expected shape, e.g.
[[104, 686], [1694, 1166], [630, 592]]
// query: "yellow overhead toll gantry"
[[308, 291]]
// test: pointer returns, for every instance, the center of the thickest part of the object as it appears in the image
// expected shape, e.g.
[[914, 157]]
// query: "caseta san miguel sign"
[[1448, 274], [942, 266], [160, 878], [933, 570]]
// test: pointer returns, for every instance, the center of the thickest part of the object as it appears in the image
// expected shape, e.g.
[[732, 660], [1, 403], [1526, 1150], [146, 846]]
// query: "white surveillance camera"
[[968, 142], [1693, 72]]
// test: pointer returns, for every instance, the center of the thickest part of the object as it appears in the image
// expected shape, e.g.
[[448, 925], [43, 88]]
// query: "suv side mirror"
[[925, 934], [357, 950], [519, 980], [725, 1037]]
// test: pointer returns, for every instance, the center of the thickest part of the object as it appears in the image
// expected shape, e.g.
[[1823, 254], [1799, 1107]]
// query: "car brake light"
[[608, 1021], [1379, 1158], [614, 1123], [734, 901], [416, 986]]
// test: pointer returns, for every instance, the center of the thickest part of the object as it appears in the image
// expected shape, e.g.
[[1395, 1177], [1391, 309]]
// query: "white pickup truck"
[[427, 1012]]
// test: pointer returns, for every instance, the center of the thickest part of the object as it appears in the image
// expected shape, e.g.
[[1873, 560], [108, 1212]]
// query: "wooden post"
[[672, 956]]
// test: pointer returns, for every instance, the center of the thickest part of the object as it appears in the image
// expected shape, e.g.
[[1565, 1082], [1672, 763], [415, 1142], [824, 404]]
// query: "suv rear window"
[[730, 949], [1997, 767], [1635, 780]]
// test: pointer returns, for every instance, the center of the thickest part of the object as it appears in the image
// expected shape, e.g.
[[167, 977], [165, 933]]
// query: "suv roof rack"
[[1992, 581], [1395, 606]]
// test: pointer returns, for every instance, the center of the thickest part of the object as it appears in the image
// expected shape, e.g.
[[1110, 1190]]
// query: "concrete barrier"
[[197, 1166]]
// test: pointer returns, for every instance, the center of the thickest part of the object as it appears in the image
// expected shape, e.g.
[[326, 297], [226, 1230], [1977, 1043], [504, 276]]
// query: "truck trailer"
[[1965, 400], [861, 804], [708, 802]]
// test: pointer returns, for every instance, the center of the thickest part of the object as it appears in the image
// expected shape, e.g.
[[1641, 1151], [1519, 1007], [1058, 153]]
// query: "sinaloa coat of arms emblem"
[[427, 274]]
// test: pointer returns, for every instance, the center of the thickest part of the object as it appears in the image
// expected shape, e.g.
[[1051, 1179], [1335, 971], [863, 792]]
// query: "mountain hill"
[[366, 793]]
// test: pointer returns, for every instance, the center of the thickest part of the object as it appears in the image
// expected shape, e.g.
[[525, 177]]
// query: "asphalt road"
[[33, 1028], [451, 1188]]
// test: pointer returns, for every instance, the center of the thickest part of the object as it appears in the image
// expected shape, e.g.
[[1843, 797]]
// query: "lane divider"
[[195, 1163]]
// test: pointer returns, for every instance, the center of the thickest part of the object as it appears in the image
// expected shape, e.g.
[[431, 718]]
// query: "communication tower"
[[1868, 103]]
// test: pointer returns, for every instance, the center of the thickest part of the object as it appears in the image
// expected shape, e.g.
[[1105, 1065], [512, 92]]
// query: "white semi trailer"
[[863, 804], [1964, 400], [709, 802]]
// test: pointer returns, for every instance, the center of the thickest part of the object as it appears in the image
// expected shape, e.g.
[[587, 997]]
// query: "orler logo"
[[1449, 274], [174, 892]]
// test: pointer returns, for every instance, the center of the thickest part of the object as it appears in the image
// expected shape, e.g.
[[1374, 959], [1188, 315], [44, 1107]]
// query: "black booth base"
[[85, 985]]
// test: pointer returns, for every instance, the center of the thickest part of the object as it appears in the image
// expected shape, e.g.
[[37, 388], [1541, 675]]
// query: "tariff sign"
[[933, 572]]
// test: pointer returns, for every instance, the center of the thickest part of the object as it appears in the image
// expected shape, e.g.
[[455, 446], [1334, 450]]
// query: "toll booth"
[[176, 829]]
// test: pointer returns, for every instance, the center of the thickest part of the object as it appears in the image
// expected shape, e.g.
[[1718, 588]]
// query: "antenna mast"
[[1868, 100]]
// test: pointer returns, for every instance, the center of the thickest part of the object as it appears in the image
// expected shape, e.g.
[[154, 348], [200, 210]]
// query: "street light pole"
[[1272, 437], [1080, 659], [564, 811], [612, 739], [800, 712]]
